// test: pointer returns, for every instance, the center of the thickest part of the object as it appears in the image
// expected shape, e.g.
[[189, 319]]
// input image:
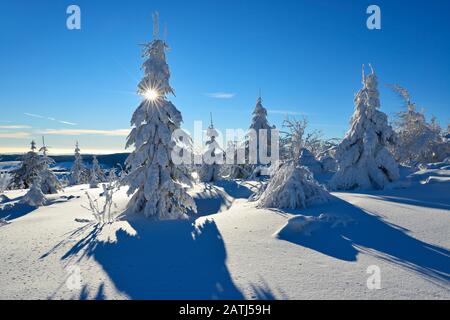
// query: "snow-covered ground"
[[232, 250]]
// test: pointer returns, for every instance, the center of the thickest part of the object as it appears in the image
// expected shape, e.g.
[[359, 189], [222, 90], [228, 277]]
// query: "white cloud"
[[14, 135], [67, 122], [15, 127], [221, 95], [79, 132], [33, 115], [287, 112]]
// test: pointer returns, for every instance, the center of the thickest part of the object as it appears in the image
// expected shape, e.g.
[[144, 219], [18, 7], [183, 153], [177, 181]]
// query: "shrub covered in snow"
[[156, 183], [363, 158], [292, 186], [418, 140], [34, 197], [101, 207]]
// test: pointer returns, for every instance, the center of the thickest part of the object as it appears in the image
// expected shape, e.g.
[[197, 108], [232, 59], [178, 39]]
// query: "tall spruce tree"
[[156, 183]]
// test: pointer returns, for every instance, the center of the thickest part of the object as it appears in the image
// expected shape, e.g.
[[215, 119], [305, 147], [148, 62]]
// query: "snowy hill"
[[232, 250]]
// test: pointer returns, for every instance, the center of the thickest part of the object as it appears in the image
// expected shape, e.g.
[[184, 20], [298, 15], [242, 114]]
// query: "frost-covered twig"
[[103, 212]]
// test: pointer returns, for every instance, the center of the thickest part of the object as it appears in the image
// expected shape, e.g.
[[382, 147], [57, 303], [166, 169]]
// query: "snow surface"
[[233, 250]]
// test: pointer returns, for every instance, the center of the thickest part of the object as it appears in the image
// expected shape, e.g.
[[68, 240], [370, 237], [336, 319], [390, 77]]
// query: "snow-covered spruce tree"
[[418, 141], [327, 159], [308, 160], [156, 183], [93, 179], [78, 172], [96, 170], [30, 168], [235, 169], [49, 183], [35, 197], [363, 157], [212, 157], [259, 122], [5, 181], [292, 186]]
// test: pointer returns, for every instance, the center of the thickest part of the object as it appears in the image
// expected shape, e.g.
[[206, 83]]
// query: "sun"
[[151, 94]]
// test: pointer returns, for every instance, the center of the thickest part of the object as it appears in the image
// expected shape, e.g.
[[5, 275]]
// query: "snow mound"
[[306, 225], [34, 197], [291, 187]]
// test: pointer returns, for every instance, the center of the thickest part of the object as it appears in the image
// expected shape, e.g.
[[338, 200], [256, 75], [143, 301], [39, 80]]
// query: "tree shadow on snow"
[[13, 208], [432, 195], [371, 234], [12, 211], [234, 189], [212, 200], [164, 260]]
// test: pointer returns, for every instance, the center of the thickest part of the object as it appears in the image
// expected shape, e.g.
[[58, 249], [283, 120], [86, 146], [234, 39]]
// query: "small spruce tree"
[[363, 157]]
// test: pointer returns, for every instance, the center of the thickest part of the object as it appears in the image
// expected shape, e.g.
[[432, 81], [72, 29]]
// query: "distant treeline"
[[107, 160]]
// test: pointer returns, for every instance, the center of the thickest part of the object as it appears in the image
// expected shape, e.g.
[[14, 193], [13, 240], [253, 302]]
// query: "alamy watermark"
[[374, 20], [374, 280], [237, 146], [73, 21], [74, 280]]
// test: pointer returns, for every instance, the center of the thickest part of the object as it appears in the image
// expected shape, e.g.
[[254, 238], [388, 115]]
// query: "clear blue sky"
[[306, 56]]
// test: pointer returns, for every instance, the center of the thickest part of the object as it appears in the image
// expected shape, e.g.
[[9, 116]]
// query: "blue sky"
[[306, 57]]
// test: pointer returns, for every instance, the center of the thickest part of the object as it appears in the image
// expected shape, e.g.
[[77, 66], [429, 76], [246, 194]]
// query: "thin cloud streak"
[[79, 132], [287, 112], [11, 127], [67, 122], [38, 116], [221, 95], [60, 151]]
